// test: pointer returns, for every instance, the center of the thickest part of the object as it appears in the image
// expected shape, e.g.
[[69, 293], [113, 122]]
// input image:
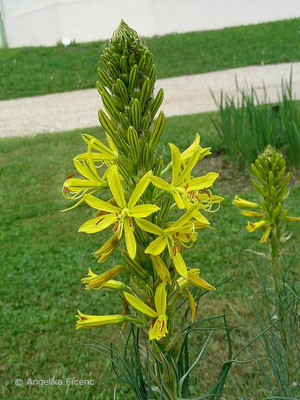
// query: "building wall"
[[46, 22]]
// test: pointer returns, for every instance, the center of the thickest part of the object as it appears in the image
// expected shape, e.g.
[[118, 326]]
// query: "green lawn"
[[33, 71], [43, 259]]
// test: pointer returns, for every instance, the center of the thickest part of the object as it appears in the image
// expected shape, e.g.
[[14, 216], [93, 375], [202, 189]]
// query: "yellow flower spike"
[[140, 305], [93, 281], [252, 227], [266, 235], [92, 321], [192, 304], [122, 214], [161, 269], [239, 202], [107, 249]]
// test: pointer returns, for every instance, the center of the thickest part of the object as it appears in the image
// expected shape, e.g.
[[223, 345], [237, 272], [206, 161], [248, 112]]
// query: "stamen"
[[207, 192], [192, 194], [179, 247], [69, 176], [186, 186], [174, 250], [198, 198], [130, 222], [188, 236], [115, 228], [177, 233], [162, 324]]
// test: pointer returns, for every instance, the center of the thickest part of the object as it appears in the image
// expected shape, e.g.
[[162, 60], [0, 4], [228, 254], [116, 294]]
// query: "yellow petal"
[[97, 281], [147, 226], [160, 299], [199, 282], [157, 246], [179, 264], [200, 218], [143, 210], [178, 200], [247, 213], [99, 204], [176, 161], [78, 185], [140, 305], [97, 145], [188, 215], [91, 321], [187, 170], [139, 189], [161, 269], [129, 238], [160, 183], [292, 218], [115, 186], [203, 181], [239, 202], [266, 234], [192, 304], [85, 170], [187, 154], [97, 224]]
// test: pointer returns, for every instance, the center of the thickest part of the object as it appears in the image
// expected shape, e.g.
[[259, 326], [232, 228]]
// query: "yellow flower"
[[74, 188], [239, 202], [91, 321], [192, 303], [93, 281], [174, 237], [266, 235], [106, 155], [161, 269], [182, 185], [252, 227], [194, 279], [106, 250], [121, 216], [159, 329], [187, 154]]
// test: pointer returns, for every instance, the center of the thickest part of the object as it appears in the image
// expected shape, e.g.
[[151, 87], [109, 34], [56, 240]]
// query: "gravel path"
[[183, 95]]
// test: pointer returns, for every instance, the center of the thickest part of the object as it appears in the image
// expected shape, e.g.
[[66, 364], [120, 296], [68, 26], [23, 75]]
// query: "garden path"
[[183, 95]]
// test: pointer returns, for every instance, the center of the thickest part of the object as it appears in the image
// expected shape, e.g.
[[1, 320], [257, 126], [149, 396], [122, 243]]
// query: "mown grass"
[[31, 71], [43, 259]]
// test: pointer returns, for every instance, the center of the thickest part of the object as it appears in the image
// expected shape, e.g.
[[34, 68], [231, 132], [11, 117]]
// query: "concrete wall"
[[45, 22]]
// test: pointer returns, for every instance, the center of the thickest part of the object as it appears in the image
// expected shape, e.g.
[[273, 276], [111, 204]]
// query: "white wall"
[[45, 22]]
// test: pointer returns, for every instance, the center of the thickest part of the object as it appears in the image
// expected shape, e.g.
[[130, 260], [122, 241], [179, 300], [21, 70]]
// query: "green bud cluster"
[[127, 78], [271, 182]]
